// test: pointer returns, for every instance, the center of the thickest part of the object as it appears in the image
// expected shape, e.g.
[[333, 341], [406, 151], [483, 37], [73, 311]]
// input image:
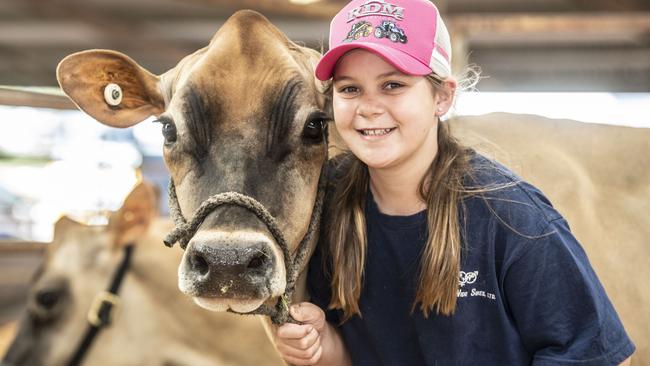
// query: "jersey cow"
[[150, 322], [245, 136]]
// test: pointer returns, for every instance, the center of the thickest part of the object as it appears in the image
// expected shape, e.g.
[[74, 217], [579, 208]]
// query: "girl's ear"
[[445, 96]]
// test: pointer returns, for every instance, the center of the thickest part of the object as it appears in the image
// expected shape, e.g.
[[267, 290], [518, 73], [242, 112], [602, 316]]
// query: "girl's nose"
[[369, 107]]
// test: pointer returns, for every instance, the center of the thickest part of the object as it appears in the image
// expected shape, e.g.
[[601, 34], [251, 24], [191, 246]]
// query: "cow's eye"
[[168, 130], [315, 128], [48, 298], [46, 303]]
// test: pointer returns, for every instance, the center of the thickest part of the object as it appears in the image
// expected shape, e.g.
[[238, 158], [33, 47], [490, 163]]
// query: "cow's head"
[[243, 114], [78, 266]]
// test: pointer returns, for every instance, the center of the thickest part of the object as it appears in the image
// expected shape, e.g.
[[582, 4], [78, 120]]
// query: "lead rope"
[[184, 231]]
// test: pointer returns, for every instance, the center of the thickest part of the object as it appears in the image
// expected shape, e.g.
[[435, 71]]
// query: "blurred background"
[[587, 60]]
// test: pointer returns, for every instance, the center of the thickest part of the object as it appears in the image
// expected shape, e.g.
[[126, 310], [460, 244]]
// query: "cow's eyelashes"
[[168, 130], [315, 127]]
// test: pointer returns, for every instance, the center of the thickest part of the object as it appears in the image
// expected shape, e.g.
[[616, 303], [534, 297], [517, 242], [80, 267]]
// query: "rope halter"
[[184, 231]]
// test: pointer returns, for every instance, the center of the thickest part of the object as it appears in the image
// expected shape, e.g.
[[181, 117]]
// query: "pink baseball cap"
[[409, 34]]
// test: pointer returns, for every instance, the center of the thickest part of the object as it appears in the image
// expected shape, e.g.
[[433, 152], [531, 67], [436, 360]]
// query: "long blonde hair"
[[442, 190]]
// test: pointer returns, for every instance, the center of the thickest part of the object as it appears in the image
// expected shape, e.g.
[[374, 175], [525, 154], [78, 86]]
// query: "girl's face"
[[388, 119]]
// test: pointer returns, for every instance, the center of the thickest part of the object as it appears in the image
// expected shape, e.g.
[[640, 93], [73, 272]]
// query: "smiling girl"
[[430, 253]]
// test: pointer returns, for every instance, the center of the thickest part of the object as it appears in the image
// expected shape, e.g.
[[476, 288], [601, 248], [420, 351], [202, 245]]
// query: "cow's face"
[[243, 114], [57, 301], [78, 266]]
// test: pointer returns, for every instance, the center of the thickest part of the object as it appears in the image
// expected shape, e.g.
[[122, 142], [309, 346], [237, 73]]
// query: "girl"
[[432, 254]]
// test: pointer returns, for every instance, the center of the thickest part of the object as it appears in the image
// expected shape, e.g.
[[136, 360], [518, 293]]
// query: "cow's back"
[[598, 177]]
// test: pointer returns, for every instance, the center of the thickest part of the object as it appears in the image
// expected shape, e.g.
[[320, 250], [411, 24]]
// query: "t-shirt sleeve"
[[559, 306]]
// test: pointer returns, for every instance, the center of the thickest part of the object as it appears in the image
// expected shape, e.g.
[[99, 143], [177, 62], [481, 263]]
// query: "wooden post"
[[459, 51]]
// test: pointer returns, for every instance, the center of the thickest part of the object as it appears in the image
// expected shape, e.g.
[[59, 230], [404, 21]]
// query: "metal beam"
[[320, 10], [552, 28], [611, 6], [546, 6], [34, 98], [495, 29], [553, 69]]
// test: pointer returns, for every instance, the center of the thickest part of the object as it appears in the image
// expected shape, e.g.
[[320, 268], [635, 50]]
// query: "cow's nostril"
[[199, 264], [257, 261]]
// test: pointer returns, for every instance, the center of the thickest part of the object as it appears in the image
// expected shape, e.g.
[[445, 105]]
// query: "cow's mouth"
[[221, 304], [240, 297]]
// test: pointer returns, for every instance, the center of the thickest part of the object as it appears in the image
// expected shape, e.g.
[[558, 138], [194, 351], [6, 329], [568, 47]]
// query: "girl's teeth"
[[376, 132]]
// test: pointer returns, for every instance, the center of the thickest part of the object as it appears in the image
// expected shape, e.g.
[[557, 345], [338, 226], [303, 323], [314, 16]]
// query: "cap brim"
[[400, 60]]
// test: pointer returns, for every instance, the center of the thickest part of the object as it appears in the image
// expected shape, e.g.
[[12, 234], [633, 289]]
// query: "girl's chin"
[[375, 158], [377, 162]]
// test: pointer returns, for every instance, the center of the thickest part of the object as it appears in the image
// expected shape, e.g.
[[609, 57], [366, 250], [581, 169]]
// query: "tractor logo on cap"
[[389, 30], [386, 29], [360, 29]]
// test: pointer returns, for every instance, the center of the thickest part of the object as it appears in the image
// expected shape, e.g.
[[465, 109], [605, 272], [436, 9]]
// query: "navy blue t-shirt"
[[527, 294]]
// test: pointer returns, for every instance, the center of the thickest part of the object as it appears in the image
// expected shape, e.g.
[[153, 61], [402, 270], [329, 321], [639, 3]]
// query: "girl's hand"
[[300, 344]]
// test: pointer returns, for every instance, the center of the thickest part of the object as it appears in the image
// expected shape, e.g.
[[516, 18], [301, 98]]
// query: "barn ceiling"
[[569, 45]]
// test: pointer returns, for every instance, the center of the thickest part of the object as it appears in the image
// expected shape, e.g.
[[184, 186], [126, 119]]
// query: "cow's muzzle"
[[186, 230], [232, 270]]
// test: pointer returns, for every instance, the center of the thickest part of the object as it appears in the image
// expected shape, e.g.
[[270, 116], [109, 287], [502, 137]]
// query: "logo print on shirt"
[[467, 277], [376, 7]]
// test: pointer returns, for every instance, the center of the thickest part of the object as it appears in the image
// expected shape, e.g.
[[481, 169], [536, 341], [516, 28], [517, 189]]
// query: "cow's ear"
[[132, 220], [110, 87], [64, 224]]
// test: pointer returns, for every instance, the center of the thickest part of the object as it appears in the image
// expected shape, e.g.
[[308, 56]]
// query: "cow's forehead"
[[248, 33], [75, 245], [247, 50]]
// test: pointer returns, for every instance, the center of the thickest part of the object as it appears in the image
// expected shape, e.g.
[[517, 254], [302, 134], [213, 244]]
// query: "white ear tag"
[[113, 94]]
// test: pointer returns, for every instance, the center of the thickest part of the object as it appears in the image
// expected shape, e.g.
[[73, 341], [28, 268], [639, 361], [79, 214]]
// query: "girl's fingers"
[[303, 354], [305, 361], [294, 331], [308, 313], [302, 343]]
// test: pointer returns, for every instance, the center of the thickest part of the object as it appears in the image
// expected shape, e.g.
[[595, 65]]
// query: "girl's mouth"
[[375, 131]]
